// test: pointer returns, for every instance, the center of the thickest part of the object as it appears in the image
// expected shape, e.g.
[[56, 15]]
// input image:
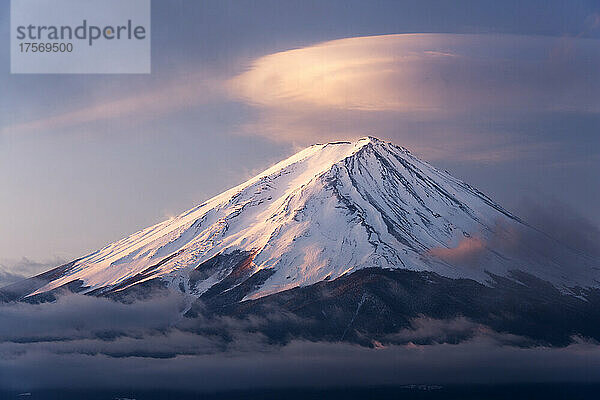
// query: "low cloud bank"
[[84, 342]]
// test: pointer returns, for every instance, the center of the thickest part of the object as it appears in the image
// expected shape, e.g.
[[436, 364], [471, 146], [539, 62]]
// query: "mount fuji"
[[358, 231]]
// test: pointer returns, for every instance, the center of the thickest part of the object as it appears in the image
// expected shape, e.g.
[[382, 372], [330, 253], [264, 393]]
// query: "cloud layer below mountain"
[[85, 342]]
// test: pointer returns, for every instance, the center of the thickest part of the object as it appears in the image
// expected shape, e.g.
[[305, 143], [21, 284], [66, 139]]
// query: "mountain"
[[342, 213], [327, 211]]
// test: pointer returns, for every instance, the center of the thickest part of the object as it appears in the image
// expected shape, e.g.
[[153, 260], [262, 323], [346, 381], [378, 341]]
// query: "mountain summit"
[[326, 212]]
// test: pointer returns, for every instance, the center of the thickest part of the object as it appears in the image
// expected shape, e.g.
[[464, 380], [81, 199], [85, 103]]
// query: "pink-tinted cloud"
[[167, 98], [469, 251], [422, 73], [390, 85]]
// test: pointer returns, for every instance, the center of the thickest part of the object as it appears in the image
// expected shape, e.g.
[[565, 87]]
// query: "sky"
[[504, 95]]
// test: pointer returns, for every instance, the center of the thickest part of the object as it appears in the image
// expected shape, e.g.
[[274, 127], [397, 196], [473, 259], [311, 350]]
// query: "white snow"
[[326, 211]]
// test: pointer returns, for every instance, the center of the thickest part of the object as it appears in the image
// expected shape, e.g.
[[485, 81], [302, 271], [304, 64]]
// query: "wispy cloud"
[[468, 251], [14, 270], [438, 94], [437, 73], [561, 239], [189, 90], [418, 88]]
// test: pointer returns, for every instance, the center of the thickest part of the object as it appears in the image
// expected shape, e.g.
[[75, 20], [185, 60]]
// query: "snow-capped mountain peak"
[[326, 211]]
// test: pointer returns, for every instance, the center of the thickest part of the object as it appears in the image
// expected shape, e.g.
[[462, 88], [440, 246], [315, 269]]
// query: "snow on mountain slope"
[[327, 211]]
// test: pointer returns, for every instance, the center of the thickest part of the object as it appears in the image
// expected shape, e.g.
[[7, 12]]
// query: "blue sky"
[[511, 105]]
